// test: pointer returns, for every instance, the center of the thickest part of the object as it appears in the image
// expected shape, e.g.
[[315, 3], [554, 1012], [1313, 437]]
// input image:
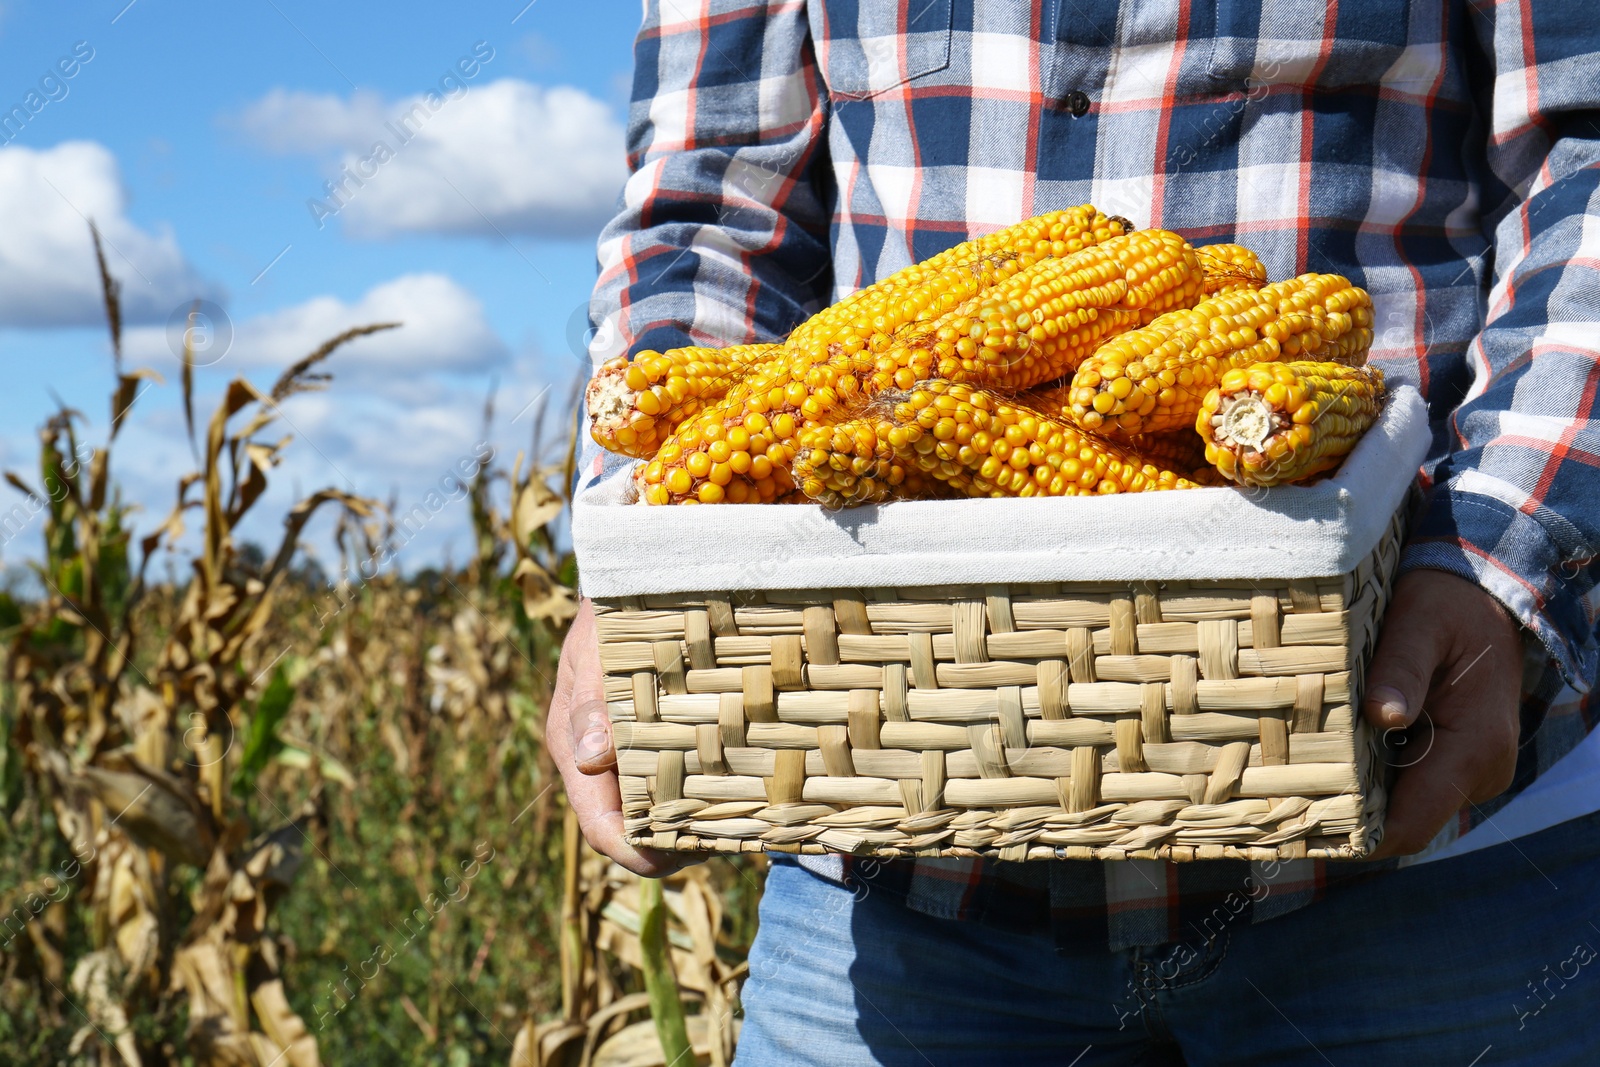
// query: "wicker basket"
[[1182, 720]]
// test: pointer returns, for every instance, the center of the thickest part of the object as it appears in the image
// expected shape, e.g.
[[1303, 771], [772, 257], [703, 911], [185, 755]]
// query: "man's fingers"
[[597, 803], [580, 697], [578, 732], [1448, 643], [592, 750], [1425, 797], [590, 725], [1463, 765], [579, 634], [1409, 650]]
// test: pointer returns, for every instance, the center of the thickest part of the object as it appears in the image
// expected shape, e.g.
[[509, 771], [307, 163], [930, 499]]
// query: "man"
[[1446, 157]]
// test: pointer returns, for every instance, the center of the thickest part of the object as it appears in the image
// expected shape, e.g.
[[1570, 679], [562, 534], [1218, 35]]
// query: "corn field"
[[256, 817]]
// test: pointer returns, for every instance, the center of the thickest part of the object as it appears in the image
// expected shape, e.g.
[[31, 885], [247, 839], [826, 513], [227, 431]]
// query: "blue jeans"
[[1486, 959]]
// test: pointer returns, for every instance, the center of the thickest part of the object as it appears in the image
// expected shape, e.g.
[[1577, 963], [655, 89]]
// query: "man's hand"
[[1451, 655], [579, 735]]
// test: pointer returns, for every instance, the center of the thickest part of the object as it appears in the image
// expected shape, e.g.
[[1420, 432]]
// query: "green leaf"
[[660, 983], [261, 741]]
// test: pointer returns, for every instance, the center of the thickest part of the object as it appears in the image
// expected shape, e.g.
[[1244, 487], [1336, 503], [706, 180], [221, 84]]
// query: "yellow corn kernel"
[[1273, 423], [1000, 448], [1229, 268], [1176, 450]]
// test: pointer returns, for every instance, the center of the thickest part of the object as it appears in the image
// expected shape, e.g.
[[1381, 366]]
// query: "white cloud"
[[403, 410], [353, 438], [443, 330], [507, 155], [47, 270], [289, 122]]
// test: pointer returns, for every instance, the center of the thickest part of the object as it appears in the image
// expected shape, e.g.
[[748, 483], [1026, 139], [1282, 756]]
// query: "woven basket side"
[[1185, 720]]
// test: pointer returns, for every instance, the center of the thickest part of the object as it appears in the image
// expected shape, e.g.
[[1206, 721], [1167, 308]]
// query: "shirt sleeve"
[[722, 235], [1516, 506]]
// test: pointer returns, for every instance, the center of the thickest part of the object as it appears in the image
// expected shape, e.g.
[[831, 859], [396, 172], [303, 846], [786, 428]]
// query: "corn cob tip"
[[636, 404], [1274, 423], [606, 395], [1247, 420]]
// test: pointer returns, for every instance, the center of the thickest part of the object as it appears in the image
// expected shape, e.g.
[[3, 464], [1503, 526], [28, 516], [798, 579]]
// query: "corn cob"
[[869, 318], [865, 461], [1030, 326], [1153, 379], [1229, 268], [1283, 422], [1038, 324], [685, 380], [996, 447], [1177, 450], [634, 404], [768, 406]]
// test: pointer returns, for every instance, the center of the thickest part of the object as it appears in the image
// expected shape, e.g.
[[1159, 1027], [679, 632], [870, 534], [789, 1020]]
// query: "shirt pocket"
[[867, 47], [1280, 42], [1142, 37]]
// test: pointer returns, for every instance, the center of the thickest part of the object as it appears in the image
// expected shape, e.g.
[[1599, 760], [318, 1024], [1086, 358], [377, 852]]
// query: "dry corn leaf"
[[637, 1046], [297, 1048], [542, 596], [218, 1019], [21, 486], [537, 505], [94, 983], [99, 471], [148, 812], [553, 1044], [128, 391]]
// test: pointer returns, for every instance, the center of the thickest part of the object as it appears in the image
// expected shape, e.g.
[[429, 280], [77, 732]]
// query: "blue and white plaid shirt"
[[1445, 156]]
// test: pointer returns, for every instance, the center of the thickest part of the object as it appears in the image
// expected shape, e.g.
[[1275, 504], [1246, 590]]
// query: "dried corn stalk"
[[605, 911], [137, 761]]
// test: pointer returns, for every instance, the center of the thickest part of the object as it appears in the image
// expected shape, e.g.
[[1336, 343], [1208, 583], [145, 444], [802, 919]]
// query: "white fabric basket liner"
[[1315, 531]]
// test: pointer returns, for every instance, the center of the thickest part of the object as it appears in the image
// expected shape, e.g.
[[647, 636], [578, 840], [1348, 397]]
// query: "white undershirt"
[[1569, 789]]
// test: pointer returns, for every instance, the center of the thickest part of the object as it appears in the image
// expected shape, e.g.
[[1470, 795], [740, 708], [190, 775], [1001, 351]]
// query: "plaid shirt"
[[1444, 156]]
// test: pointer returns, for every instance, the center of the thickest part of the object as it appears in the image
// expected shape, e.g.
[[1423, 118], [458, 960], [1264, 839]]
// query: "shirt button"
[[1078, 103]]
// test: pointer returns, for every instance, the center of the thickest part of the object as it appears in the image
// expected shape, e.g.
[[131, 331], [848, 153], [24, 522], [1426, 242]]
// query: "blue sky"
[[199, 136]]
